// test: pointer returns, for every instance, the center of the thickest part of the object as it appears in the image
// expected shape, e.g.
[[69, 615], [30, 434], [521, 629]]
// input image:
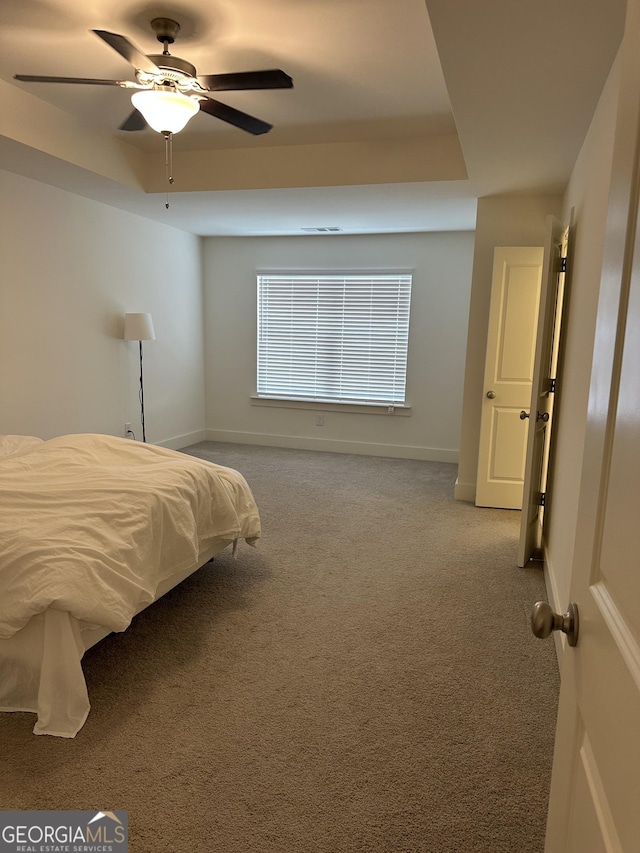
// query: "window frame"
[[344, 403]]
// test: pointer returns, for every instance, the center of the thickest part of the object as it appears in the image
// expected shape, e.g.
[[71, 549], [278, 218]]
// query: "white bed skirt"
[[40, 665]]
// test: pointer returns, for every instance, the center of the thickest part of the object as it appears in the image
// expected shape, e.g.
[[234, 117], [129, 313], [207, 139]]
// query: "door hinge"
[[563, 264], [552, 386], [543, 499]]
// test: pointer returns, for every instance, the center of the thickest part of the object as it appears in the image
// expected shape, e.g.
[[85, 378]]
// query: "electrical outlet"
[[319, 420]]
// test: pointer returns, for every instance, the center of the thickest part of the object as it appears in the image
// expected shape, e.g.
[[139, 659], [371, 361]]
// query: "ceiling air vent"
[[323, 230]]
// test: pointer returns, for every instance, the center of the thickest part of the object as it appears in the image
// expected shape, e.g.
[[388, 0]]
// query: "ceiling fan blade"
[[135, 121], [271, 79], [235, 117], [36, 78], [131, 53]]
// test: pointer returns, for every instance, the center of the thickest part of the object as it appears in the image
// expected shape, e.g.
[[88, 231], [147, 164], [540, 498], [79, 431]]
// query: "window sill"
[[329, 406]]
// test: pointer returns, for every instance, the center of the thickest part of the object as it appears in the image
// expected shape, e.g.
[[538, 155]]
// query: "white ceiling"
[[381, 87]]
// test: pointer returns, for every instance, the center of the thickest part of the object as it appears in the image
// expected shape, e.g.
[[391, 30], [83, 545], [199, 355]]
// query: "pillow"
[[13, 443]]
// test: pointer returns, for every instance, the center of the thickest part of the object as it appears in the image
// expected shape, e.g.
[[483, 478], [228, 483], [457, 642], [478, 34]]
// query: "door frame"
[[544, 388]]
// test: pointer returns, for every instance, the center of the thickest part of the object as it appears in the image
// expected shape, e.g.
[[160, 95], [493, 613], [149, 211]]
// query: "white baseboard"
[[180, 441], [296, 442], [465, 492]]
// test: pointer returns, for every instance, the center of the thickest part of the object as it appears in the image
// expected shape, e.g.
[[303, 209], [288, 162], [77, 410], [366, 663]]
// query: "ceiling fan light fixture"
[[166, 111]]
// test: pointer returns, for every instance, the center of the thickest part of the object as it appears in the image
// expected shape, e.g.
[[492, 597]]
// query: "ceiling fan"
[[168, 90]]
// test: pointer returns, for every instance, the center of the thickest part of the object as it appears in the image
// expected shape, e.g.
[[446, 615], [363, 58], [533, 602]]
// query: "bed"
[[93, 529]]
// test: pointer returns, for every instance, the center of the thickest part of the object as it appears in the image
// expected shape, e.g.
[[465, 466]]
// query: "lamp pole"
[[144, 434], [139, 327]]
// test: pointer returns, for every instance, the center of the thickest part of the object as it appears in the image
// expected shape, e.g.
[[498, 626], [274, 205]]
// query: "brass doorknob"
[[542, 416], [491, 395], [523, 415], [544, 621]]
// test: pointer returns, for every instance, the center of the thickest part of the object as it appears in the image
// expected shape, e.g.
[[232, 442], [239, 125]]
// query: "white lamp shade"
[[138, 327], [165, 111]]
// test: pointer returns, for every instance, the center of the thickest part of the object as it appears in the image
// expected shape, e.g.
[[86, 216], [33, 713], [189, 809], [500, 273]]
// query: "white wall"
[[501, 221], [439, 315], [586, 201], [70, 269]]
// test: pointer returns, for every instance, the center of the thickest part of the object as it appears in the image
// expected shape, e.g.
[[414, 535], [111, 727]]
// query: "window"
[[331, 337]]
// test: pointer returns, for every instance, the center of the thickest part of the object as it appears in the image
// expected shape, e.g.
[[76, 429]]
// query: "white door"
[[540, 406], [511, 341], [595, 789]]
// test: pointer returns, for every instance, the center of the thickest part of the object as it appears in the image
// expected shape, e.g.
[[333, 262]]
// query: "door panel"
[[601, 674], [507, 446], [591, 824], [515, 295], [516, 336]]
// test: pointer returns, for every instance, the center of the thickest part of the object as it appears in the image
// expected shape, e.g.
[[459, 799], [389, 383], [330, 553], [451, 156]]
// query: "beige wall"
[[501, 221], [585, 203], [439, 314], [71, 268]]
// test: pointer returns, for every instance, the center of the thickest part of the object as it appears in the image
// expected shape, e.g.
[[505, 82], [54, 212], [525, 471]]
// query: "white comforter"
[[90, 526]]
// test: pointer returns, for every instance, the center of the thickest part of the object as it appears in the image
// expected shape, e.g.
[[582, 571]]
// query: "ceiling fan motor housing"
[[173, 63], [166, 30]]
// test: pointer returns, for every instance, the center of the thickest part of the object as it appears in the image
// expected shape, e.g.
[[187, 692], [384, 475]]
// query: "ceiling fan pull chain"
[[168, 161]]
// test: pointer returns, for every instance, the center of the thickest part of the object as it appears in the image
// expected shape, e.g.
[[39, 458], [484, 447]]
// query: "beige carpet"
[[365, 680]]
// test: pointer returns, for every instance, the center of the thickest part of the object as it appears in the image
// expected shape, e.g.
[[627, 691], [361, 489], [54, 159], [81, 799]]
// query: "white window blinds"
[[333, 337]]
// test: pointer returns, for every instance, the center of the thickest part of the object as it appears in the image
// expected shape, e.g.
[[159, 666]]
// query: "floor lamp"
[[139, 327]]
